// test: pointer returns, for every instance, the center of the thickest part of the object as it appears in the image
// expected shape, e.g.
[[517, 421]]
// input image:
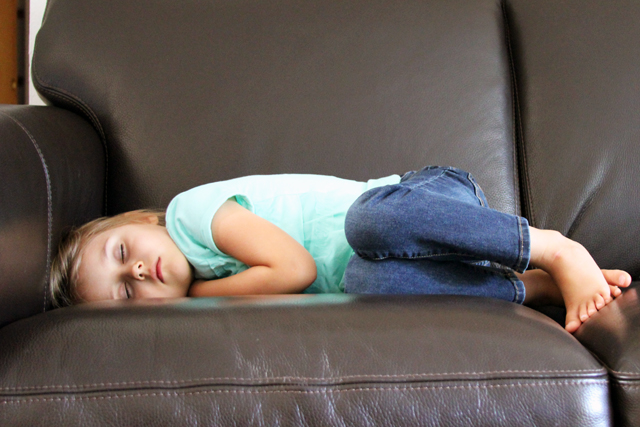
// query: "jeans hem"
[[524, 243], [518, 287]]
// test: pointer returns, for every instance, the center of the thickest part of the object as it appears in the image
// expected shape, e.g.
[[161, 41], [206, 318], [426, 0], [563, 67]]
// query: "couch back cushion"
[[578, 77], [189, 92]]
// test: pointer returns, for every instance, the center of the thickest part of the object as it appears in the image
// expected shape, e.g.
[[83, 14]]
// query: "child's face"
[[133, 261]]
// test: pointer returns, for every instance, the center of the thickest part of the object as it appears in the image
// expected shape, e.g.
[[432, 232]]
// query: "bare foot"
[[541, 289], [585, 288]]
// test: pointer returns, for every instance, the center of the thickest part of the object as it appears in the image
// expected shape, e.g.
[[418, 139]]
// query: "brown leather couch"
[[540, 99]]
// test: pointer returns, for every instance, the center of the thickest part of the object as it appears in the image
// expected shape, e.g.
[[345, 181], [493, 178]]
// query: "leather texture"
[[577, 71], [538, 99], [238, 88], [614, 335], [52, 175], [299, 360]]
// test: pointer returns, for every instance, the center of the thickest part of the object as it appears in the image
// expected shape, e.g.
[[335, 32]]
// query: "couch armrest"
[[51, 177], [613, 335]]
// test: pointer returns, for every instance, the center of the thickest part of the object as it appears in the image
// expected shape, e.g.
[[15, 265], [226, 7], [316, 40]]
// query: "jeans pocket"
[[478, 190]]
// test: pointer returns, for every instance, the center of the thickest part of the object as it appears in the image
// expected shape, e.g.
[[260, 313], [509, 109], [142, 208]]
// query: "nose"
[[137, 270]]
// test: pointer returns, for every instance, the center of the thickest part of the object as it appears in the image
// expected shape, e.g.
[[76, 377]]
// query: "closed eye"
[[122, 253]]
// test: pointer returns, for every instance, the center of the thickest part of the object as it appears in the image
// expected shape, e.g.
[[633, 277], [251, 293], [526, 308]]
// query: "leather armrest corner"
[[51, 177]]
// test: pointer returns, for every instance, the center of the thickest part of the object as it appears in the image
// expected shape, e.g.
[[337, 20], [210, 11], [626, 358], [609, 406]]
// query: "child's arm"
[[278, 263]]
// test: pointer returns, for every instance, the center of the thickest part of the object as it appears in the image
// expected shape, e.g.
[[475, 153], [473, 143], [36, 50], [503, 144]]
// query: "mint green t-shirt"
[[310, 208]]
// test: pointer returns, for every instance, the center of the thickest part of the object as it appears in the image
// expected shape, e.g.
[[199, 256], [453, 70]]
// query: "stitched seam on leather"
[[311, 392], [49, 206], [298, 379], [634, 374], [626, 385], [69, 97], [612, 372]]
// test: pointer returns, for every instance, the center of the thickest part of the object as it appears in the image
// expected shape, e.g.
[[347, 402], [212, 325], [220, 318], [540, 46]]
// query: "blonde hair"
[[64, 268]]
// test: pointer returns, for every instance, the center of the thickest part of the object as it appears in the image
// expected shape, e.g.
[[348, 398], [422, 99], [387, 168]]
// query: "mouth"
[[159, 270]]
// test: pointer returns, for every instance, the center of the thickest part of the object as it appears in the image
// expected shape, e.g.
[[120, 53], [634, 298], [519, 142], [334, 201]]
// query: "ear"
[[142, 216]]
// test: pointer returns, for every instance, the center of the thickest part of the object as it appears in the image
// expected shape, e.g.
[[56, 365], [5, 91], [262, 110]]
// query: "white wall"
[[36, 12]]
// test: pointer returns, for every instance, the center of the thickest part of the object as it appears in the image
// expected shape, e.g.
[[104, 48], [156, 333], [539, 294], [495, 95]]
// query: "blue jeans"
[[433, 233]]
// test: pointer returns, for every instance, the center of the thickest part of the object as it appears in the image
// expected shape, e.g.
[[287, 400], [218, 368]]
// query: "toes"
[[600, 302], [617, 277], [583, 312], [572, 324], [578, 315], [592, 308], [615, 291], [624, 279]]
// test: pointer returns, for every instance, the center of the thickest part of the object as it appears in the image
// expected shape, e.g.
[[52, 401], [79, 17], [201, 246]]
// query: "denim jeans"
[[433, 233]]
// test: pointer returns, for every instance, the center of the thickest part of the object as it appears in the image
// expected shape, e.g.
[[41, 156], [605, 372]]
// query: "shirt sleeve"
[[188, 219]]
